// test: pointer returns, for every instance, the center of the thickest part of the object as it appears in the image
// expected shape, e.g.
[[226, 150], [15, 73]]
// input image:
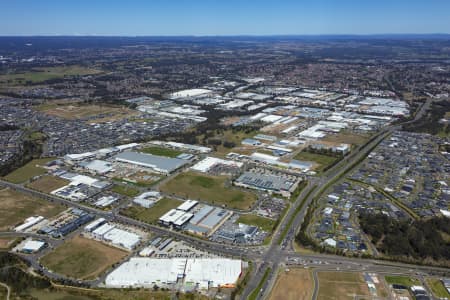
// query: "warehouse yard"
[[16, 207], [211, 189], [82, 258]]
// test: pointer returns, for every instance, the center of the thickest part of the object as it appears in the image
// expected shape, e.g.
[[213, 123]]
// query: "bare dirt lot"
[[342, 286], [297, 284], [16, 207]]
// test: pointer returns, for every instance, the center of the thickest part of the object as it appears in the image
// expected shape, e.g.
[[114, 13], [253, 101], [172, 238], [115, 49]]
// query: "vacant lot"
[[342, 285], [6, 242], [48, 183], [82, 258], [31, 169], [161, 151], [38, 75], [229, 136], [321, 161], [263, 223], [297, 284], [93, 112], [347, 138], [125, 190], [212, 189], [402, 280], [437, 288], [16, 207], [152, 214]]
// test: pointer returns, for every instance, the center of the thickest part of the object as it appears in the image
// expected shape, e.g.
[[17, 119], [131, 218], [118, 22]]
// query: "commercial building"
[[207, 220], [147, 272], [160, 164], [30, 246]]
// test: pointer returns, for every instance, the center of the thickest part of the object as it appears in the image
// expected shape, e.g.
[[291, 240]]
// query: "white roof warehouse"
[[146, 272], [158, 163]]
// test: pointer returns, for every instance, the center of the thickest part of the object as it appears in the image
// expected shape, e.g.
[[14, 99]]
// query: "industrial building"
[[204, 272], [267, 182], [159, 164], [209, 162], [175, 217], [207, 220], [29, 246], [113, 234]]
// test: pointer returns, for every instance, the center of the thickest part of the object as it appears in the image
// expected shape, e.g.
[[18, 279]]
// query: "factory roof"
[[187, 205], [160, 163], [265, 181]]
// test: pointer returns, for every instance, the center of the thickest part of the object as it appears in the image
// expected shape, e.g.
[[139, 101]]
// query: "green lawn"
[[31, 169], [211, 189], [161, 151], [42, 74], [152, 214], [263, 223], [437, 288], [321, 160], [125, 190], [402, 280]]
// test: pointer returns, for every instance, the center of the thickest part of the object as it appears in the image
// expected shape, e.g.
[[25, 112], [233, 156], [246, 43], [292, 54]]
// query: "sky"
[[224, 17]]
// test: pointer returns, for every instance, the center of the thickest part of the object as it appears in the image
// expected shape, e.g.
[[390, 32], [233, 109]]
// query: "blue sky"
[[225, 17]]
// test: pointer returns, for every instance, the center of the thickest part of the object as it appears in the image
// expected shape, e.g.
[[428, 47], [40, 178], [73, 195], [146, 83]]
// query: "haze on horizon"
[[231, 17]]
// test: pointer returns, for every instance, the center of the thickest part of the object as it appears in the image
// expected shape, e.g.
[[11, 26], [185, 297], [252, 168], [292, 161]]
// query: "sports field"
[[31, 169], [48, 183], [212, 189], [296, 284], [342, 285], [16, 207], [95, 112], [152, 214], [38, 75], [82, 258]]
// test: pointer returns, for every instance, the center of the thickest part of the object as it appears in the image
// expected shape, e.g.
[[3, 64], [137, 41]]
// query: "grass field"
[[437, 288], [211, 189], [82, 258], [38, 75], [161, 151], [297, 284], [342, 285], [402, 280], [125, 190], [71, 293], [16, 207], [31, 169], [96, 112], [151, 215], [347, 138], [321, 161], [48, 183], [263, 223]]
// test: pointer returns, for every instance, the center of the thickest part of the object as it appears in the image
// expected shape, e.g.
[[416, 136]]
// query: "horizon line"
[[227, 35]]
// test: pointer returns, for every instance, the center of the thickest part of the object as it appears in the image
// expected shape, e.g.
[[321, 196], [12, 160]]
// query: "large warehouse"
[[160, 164], [146, 272]]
